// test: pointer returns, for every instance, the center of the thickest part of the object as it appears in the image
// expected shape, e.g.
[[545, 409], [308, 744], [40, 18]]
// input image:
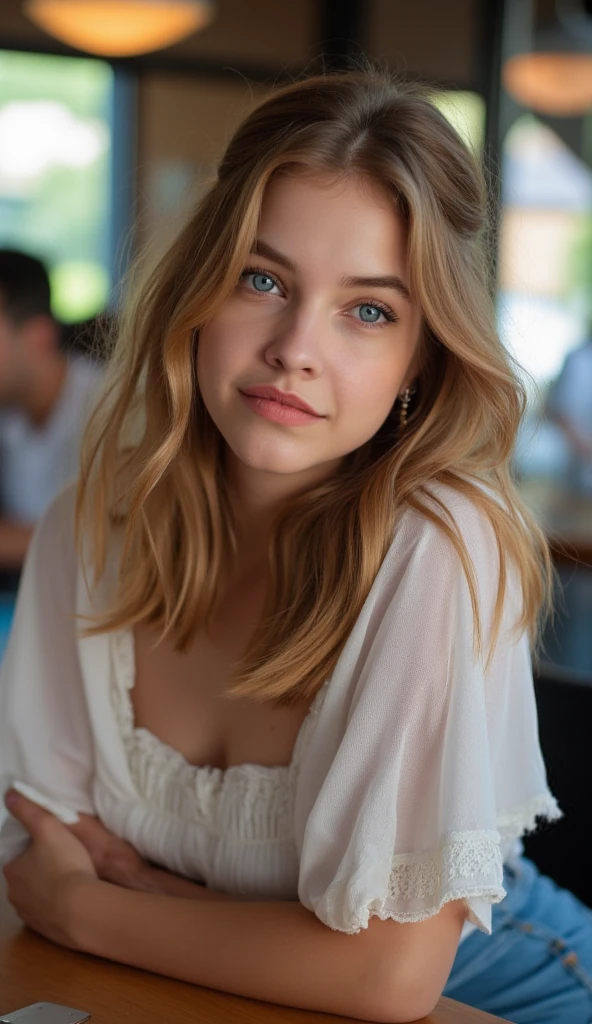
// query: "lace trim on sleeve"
[[469, 855], [466, 865], [515, 822], [462, 855]]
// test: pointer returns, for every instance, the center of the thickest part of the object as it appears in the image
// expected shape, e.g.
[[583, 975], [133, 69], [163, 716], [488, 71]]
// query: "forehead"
[[347, 225]]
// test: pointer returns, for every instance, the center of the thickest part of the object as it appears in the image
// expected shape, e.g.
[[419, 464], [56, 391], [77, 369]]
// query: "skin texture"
[[304, 333]]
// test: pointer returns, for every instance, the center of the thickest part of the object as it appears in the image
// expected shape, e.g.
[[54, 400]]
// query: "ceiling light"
[[556, 78], [120, 28]]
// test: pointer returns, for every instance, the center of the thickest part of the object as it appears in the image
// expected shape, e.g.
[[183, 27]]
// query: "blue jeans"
[[536, 966]]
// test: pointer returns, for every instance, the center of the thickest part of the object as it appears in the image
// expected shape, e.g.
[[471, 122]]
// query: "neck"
[[43, 390], [258, 496]]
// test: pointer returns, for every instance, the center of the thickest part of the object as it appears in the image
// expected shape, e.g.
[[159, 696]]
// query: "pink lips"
[[279, 406]]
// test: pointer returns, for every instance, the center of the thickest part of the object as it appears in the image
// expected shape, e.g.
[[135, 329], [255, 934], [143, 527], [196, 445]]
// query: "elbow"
[[395, 999], [400, 999], [401, 1008], [411, 1006]]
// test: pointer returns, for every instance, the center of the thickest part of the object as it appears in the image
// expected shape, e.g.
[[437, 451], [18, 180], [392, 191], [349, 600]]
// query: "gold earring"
[[405, 402]]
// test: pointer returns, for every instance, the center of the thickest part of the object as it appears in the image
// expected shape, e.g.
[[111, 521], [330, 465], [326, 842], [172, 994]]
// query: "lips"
[[283, 397]]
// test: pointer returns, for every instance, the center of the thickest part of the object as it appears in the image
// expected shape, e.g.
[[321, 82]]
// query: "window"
[[545, 281], [55, 173]]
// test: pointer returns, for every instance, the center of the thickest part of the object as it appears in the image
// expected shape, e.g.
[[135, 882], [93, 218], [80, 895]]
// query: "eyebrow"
[[261, 248], [378, 282]]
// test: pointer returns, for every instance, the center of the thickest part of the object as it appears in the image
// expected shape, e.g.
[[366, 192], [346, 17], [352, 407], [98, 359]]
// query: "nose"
[[295, 346]]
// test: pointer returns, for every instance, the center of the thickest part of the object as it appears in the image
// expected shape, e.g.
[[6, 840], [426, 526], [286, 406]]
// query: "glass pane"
[[545, 284], [55, 181], [466, 113]]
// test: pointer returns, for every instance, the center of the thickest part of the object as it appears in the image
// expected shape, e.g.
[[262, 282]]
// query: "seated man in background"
[[569, 406], [45, 400]]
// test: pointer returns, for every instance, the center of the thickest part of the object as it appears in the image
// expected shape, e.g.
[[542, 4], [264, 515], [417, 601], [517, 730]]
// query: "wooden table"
[[33, 970]]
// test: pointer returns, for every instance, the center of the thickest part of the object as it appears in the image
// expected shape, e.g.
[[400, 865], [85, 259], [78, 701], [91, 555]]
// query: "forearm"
[[166, 883], [274, 951], [14, 541]]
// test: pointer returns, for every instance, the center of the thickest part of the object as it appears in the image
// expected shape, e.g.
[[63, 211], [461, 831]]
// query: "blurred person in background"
[[45, 397], [569, 406]]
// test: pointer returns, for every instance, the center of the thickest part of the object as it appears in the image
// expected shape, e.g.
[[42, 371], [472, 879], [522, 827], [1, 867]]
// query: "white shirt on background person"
[[36, 463]]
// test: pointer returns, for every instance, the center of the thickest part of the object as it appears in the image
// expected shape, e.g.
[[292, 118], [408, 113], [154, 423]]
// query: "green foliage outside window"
[[55, 185]]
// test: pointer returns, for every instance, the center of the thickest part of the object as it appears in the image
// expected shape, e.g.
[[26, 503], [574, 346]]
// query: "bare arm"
[[117, 861], [276, 951], [270, 950], [168, 884], [14, 541], [303, 942]]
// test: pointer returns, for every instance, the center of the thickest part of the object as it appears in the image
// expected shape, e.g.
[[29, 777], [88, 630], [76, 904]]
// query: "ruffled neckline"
[[124, 676]]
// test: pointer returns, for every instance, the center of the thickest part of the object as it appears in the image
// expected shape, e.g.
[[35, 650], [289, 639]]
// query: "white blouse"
[[414, 774]]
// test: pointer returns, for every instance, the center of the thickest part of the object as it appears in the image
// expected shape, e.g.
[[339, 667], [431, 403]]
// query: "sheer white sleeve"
[[424, 766], [45, 735]]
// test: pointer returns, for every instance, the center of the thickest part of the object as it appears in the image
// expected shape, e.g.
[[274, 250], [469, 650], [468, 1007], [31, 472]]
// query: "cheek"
[[224, 347], [214, 356], [368, 396]]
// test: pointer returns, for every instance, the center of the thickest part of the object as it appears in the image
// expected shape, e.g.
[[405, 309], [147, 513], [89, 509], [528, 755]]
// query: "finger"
[[32, 817], [94, 837]]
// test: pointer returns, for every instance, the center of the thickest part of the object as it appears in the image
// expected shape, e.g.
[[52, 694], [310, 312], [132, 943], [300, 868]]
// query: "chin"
[[273, 464], [272, 459]]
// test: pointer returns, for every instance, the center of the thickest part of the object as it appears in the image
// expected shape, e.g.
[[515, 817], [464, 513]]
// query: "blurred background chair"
[[562, 851]]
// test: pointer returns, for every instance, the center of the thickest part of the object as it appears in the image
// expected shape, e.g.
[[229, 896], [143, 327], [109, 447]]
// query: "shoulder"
[[448, 509], [437, 558], [56, 561], [59, 515], [50, 570], [53, 539]]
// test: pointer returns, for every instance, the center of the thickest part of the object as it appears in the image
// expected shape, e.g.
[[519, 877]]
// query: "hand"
[[114, 859], [45, 883], [117, 861]]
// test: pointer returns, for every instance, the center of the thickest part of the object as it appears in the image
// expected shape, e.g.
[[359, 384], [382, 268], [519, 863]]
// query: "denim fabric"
[[536, 966]]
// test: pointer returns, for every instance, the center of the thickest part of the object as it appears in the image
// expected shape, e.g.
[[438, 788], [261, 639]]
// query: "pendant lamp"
[[556, 77], [120, 28]]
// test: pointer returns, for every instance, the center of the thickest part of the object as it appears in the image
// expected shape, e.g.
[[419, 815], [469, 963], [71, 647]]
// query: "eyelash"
[[387, 312]]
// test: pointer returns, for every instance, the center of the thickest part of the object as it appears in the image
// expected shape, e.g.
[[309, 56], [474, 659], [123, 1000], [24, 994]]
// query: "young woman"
[[283, 677]]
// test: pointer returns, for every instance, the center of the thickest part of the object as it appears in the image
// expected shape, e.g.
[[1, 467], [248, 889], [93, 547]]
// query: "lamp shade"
[[119, 28], [559, 84], [556, 77]]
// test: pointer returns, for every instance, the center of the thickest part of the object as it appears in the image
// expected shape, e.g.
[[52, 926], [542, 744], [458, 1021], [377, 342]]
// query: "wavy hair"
[[153, 460]]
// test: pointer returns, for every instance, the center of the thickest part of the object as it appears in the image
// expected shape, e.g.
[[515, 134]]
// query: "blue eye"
[[259, 280], [370, 314], [262, 282]]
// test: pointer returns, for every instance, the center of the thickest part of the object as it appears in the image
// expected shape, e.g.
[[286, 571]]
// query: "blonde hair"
[[165, 490]]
